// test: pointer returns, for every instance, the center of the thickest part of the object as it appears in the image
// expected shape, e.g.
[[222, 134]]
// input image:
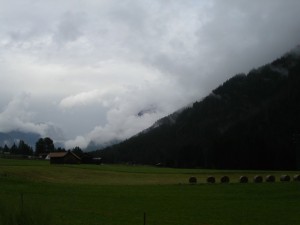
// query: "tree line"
[[17, 149], [43, 146]]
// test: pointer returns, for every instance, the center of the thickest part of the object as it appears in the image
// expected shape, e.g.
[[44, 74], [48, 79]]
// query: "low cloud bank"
[[17, 116]]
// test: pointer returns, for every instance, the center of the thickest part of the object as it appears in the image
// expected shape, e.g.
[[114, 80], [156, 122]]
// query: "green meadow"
[[35, 192]]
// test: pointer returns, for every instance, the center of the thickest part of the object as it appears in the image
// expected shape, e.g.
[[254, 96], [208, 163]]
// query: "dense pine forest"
[[252, 121]]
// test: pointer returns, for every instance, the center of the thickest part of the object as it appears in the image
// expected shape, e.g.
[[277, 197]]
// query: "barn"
[[64, 158]]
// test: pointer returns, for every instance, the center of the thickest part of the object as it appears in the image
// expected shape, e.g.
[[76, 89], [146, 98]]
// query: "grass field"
[[39, 193]]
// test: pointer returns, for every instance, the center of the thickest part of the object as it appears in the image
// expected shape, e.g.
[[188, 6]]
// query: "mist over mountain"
[[149, 110], [12, 137], [251, 121], [92, 146]]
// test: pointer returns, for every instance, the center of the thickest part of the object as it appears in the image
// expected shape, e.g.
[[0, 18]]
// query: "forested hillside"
[[250, 122]]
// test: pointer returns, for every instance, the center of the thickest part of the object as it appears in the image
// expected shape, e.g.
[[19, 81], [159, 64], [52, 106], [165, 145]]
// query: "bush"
[[258, 179], [211, 180], [243, 179], [285, 178], [193, 180], [270, 178], [224, 179], [296, 177]]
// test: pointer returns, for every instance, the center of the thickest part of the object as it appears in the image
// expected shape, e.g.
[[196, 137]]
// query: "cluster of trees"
[[250, 122], [18, 149], [42, 147]]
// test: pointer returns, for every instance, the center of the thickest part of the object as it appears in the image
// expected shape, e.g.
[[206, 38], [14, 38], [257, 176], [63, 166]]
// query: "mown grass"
[[118, 194]]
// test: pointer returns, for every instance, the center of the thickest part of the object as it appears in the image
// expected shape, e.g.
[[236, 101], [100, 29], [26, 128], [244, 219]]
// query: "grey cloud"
[[129, 13], [70, 27], [235, 37], [133, 55], [122, 119], [16, 116]]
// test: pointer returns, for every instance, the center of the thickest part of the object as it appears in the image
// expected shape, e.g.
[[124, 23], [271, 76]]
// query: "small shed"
[[89, 159], [64, 158]]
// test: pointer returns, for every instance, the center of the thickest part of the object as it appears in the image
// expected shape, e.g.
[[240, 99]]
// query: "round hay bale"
[[270, 178], [258, 179], [211, 180], [193, 180], [224, 179], [296, 177], [285, 178], [243, 179]]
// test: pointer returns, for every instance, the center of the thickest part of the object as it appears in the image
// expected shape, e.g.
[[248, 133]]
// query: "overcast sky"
[[82, 70]]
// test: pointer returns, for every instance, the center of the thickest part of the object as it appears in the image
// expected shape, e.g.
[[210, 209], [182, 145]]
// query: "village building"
[[63, 158]]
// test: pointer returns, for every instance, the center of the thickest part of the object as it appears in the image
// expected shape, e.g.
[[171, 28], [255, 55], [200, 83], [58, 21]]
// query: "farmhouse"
[[64, 158]]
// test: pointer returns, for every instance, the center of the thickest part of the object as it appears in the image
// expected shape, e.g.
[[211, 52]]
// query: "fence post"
[[22, 203]]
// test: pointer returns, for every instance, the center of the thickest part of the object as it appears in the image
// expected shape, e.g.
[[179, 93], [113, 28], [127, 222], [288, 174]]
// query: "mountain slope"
[[249, 122], [15, 136]]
